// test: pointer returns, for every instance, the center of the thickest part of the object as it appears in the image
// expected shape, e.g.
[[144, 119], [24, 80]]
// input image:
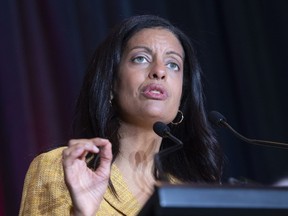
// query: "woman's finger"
[[105, 153], [78, 151]]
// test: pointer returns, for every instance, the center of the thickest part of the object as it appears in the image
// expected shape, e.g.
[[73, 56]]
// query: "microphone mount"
[[162, 130]]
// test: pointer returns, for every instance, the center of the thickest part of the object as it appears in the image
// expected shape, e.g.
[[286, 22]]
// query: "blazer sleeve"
[[44, 191]]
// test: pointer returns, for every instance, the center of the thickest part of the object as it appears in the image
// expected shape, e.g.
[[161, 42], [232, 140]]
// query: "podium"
[[220, 200]]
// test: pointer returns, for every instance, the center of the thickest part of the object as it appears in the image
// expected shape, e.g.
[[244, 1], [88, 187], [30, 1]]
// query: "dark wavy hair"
[[200, 159]]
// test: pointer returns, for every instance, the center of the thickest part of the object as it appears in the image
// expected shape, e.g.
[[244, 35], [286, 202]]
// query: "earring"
[[181, 118], [111, 98]]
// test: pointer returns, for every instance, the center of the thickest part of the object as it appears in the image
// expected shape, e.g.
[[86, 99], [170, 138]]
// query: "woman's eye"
[[173, 66], [139, 59]]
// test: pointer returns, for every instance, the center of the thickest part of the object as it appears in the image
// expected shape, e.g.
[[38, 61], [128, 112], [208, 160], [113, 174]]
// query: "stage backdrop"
[[45, 47]]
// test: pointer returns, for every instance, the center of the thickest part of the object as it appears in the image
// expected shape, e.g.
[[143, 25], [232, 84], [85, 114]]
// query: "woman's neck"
[[136, 158], [138, 145]]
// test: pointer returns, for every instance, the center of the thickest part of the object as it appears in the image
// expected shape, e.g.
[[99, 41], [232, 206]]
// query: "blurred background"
[[46, 45]]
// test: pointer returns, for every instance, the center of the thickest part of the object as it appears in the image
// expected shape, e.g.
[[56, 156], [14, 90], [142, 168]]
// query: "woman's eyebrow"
[[150, 51], [175, 53], [141, 47]]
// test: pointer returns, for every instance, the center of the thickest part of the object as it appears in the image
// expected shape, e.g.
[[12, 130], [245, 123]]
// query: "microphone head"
[[161, 129], [216, 118]]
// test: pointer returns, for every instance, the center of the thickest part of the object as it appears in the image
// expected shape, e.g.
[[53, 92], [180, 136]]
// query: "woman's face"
[[148, 87]]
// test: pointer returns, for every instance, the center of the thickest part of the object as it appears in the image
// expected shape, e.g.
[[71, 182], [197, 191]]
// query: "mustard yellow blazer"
[[45, 192]]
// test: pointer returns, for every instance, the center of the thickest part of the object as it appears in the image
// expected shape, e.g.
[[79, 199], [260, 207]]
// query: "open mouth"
[[155, 91]]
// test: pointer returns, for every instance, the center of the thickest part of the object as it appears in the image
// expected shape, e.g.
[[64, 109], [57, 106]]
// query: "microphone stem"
[[254, 141], [157, 158]]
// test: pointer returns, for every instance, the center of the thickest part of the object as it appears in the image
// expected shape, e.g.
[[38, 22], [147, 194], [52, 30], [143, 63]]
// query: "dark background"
[[45, 47]]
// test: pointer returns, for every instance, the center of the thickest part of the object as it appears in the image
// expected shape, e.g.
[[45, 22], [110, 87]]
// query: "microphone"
[[162, 130], [219, 120]]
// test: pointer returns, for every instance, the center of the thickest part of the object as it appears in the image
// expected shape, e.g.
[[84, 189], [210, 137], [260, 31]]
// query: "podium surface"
[[210, 200]]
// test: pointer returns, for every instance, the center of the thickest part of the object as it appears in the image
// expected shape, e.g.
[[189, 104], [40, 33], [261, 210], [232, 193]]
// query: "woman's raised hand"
[[86, 186]]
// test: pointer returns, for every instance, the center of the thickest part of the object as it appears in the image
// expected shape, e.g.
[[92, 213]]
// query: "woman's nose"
[[158, 71]]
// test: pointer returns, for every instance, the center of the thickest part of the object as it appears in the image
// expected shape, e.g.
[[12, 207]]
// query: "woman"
[[145, 71]]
